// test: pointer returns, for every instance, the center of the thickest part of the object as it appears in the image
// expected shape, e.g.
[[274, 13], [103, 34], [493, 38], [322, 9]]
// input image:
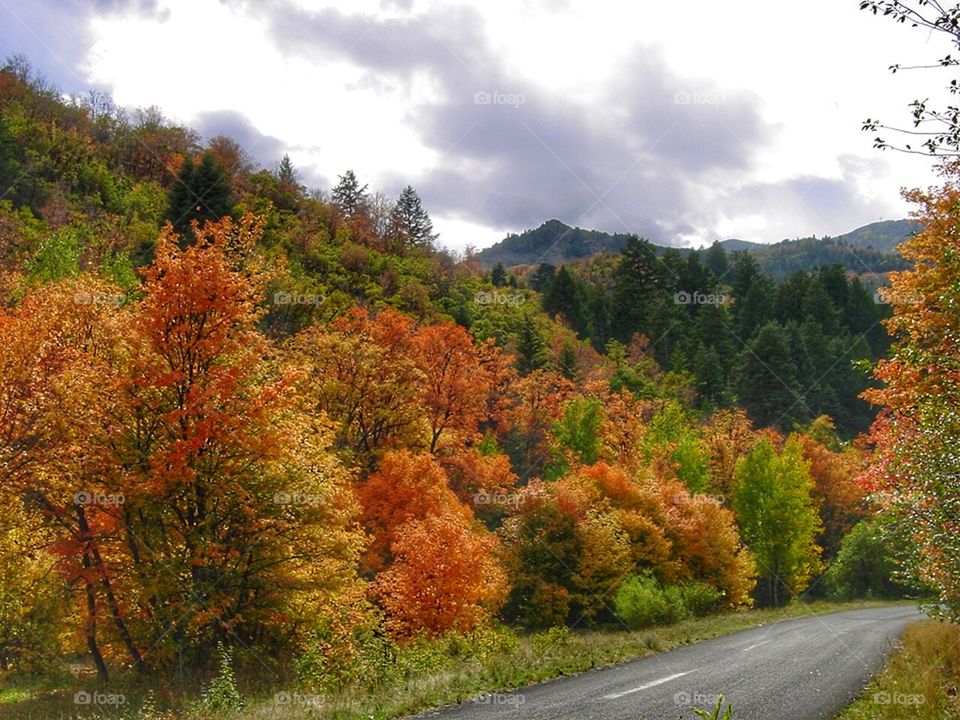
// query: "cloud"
[[55, 36], [512, 153]]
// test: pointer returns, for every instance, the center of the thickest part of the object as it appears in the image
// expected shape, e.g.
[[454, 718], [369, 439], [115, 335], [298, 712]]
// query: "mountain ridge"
[[870, 247]]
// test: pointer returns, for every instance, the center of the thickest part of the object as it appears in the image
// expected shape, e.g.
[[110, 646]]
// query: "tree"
[[777, 518], [766, 378], [935, 132], [201, 193], [458, 380], [531, 348], [498, 276], [564, 296], [640, 284], [363, 374], [290, 191], [445, 577], [407, 486], [915, 467], [410, 224], [349, 195], [717, 261]]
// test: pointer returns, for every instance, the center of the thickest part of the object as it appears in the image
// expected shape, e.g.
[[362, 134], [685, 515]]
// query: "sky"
[[683, 122]]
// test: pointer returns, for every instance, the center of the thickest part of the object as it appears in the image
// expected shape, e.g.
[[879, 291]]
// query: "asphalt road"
[[803, 669]]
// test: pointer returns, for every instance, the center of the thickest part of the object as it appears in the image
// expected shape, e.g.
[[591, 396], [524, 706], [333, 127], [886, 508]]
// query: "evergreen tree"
[[289, 191], [756, 308], [349, 195], [201, 193], [410, 224], [640, 284], [498, 276], [542, 277], [531, 348], [564, 297], [718, 262], [766, 384]]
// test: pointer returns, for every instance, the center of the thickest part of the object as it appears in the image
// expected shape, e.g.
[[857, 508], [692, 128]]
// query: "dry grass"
[[920, 681]]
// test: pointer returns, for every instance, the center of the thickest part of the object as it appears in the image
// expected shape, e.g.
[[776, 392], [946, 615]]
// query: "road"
[[803, 669]]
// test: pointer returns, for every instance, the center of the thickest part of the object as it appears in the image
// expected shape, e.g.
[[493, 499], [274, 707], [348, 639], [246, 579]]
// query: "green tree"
[[349, 195], [201, 193], [717, 261], [498, 276], [766, 378], [778, 519], [531, 348], [564, 296], [410, 223]]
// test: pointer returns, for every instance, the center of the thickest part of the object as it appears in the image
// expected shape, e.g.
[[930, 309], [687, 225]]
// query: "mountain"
[[867, 249], [553, 242], [882, 236]]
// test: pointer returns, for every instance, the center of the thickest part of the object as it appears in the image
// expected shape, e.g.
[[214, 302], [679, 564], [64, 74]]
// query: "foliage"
[[778, 519], [914, 471]]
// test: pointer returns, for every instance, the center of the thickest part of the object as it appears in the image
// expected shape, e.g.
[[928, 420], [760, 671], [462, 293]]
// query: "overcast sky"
[[685, 122]]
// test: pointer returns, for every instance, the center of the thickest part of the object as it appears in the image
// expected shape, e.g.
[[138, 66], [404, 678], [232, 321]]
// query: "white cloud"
[[811, 72]]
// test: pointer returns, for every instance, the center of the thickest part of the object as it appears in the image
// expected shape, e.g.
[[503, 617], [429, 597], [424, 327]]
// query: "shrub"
[[699, 598], [640, 602]]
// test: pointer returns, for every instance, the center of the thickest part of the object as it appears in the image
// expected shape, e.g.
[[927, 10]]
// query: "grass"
[[526, 659], [920, 681]]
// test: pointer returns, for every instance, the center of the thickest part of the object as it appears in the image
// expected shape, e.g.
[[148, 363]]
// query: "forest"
[[246, 422]]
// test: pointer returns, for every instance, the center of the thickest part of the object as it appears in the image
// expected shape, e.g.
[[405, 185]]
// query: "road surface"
[[803, 669]]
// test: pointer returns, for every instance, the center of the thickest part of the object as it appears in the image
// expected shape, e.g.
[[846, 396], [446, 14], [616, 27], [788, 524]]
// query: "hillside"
[[865, 250]]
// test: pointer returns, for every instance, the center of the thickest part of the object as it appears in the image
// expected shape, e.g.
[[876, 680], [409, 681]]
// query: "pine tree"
[[201, 193], [349, 195], [410, 224], [767, 384], [531, 348], [717, 261], [564, 296], [290, 191], [498, 276], [640, 284]]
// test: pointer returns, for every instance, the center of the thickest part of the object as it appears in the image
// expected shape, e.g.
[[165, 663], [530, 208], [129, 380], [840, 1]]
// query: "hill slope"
[[867, 249]]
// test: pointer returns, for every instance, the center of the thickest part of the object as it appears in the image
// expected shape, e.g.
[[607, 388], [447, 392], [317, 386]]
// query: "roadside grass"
[[431, 677], [921, 679]]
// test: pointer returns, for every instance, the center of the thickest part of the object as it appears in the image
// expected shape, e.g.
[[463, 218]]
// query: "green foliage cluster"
[[641, 601]]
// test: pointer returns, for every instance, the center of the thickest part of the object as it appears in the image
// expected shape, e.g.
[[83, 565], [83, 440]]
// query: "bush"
[[866, 565], [699, 598], [640, 602]]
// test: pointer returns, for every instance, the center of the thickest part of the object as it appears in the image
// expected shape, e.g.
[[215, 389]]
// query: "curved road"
[[803, 669]]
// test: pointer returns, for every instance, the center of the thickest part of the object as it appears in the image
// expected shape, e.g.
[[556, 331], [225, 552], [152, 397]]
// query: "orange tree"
[[916, 468]]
